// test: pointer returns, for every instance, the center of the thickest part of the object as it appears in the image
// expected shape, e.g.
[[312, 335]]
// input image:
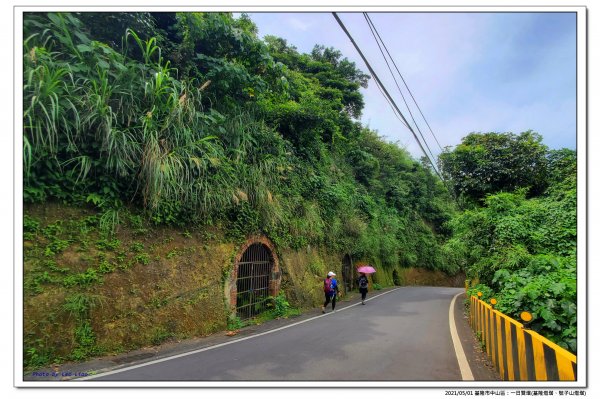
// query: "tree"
[[562, 165], [341, 75], [320, 94], [487, 163], [338, 77]]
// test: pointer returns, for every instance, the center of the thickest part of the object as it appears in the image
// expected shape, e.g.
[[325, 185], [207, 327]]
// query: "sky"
[[469, 72]]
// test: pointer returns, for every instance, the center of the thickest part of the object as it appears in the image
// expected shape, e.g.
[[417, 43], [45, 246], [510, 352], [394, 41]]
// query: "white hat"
[[331, 274]]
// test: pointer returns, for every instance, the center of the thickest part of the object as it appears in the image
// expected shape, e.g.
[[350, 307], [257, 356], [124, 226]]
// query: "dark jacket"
[[361, 278]]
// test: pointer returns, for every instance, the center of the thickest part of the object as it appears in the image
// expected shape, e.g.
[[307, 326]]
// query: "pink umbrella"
[[367, 269]]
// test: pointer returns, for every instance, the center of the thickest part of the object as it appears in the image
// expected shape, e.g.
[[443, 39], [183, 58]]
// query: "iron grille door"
[[254, 275]]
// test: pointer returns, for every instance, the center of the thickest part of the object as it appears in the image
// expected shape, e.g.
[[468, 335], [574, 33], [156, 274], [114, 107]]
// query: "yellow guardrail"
[[518, 353]]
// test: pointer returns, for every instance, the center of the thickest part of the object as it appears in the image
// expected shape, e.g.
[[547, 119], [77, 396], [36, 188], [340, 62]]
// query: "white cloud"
[[298, 24]]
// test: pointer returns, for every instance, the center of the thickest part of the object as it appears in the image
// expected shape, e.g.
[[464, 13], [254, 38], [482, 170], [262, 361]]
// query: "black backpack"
[[363, 282]]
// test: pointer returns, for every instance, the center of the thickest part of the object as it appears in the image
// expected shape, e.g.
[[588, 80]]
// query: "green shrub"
[[89, 277], [160, 335], [106, 244], [547, 288], [30, 228], [137, 247], [280, 307], [142, 258], [37, 355], [235, 323]]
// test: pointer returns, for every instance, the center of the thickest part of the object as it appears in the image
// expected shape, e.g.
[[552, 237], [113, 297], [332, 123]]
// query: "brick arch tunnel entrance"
[[256, 277]]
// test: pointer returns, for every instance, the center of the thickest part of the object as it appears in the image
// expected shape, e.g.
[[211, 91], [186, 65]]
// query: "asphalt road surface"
[[400, 335]]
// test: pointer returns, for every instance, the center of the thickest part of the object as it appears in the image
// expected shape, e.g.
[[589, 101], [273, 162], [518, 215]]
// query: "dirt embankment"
[[86, 293]]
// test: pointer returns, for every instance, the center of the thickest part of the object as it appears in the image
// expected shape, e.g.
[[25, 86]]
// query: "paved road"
[[403, 334]]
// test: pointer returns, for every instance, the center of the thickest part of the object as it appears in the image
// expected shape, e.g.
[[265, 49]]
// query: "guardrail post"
[[517, 352]]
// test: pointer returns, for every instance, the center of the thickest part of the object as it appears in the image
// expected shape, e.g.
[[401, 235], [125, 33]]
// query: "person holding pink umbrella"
[[363, 282], [363, 286]]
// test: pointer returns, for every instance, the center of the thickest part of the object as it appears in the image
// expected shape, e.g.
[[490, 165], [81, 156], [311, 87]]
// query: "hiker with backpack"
[[363, 286], [330, 288]]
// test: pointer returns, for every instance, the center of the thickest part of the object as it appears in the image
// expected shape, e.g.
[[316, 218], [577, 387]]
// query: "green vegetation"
[[521, 243], [252, 134], [160, 335], [489, 163], [235, 323], [279, 307], [79, 306], [189, 120]]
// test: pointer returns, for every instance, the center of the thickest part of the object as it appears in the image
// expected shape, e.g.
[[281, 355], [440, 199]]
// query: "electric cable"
[[373, 30], [390, 104], [408, 88], [339, 21]]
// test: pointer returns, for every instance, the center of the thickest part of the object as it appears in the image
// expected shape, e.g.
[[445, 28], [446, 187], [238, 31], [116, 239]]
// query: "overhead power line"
[[387, 94], [404, 81], [377, 40], [390, 103]]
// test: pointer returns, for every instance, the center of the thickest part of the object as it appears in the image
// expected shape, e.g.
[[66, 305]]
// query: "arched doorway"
[[256, 277], [347, 273], [395, 277]]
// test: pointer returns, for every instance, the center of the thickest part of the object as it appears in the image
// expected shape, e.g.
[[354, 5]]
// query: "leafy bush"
[[86, 341], [486, 292], [280, 307], [30, 227], [547, 288], [56, 246], [37, 356], [89, 277], [142, 258], [234, 323]]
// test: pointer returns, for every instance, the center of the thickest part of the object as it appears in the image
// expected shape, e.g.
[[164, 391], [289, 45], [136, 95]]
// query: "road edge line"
[[167, 358], [463, 364]]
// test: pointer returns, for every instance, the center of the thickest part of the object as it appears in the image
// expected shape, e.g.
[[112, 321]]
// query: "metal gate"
[[253, 278], [347, 273], [395, 277]]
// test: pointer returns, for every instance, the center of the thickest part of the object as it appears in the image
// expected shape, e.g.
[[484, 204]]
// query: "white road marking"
[[463, 364], [165, 359]]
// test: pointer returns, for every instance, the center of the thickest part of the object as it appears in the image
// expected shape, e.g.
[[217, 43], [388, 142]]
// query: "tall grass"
[[132, 121]]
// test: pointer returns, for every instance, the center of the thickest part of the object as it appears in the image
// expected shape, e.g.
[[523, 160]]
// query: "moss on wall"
[[134, 288], [304, 272], [419, 276]]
